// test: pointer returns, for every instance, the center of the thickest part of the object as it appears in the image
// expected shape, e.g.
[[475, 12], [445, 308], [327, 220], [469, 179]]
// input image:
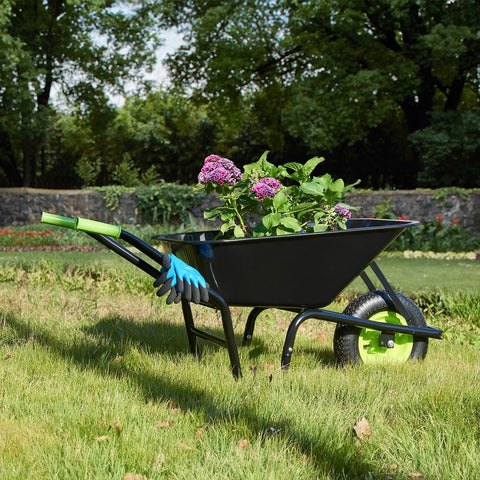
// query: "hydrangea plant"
[[266, 199]]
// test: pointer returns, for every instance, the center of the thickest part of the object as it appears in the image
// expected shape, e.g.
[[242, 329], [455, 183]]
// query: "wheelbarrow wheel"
[[354, 345]]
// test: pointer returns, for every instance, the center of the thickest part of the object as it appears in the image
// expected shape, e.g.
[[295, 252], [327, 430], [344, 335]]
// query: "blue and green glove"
[[181, 280]]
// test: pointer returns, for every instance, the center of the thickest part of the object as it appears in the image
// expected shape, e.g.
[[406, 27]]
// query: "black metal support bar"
[[189, 325], [144, 247], [391, 292], [216, 301], [366, 280], [252, 318], [126, 254], [250, 325], [290, 339], [209, 336], [330, 316]]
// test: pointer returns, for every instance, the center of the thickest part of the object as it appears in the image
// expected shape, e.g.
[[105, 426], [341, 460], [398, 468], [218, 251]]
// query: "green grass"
[[408, 275], [96, 382], [414, 275]]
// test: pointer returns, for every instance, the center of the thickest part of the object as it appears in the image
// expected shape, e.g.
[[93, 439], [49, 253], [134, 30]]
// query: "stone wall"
[[420, 205], [23, 206]]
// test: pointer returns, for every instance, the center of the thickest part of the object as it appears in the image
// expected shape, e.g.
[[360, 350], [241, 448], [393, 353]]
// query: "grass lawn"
[[96, 383], [414, 275]]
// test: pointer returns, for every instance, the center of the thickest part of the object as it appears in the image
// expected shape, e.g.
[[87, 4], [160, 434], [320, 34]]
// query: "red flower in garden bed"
[[59, 248], [10, 237]]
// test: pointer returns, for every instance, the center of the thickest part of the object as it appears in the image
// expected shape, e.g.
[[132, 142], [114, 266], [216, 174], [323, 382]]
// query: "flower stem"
[[244, 227]]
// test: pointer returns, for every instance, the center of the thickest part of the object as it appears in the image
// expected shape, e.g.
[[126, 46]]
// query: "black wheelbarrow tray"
[[301, 273]]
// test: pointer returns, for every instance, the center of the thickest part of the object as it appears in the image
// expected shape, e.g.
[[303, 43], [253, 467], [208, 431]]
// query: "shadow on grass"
[[116, 336]]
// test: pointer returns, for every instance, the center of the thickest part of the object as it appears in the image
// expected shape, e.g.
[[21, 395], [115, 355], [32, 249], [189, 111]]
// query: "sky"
[[159, 74], [172, 41]]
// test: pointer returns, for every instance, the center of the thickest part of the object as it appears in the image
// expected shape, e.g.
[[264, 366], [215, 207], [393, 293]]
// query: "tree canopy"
[[339, 72], [80, 50], [387, 90]]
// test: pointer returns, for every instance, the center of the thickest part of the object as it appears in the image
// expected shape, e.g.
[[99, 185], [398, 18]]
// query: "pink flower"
[[266, 187], [219, 175], [219, 170], [212, 158], [342, 211]]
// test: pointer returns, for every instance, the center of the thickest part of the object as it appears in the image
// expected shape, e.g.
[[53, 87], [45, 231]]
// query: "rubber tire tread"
[[345, 340]]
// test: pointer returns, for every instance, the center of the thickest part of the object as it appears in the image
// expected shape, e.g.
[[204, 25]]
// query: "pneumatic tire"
[[353, 345]]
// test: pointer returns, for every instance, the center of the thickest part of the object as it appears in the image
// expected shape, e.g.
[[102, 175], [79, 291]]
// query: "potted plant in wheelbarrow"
[[286, 241]]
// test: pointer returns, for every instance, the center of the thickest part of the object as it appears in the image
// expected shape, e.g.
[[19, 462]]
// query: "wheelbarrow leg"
[[250, 326], [230, 343], [189, 324], [290, 338]]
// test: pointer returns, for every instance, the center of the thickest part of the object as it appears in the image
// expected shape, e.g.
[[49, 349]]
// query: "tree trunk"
[[8, 162], [29, 166], [455, 92]]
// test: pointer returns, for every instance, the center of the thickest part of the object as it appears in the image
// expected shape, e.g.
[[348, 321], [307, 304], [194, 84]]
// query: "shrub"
[[435, 236], [166, 202]]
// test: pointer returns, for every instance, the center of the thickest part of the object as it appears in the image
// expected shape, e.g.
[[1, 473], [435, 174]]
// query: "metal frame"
[[329, 316], [215, 301], [218, 303]]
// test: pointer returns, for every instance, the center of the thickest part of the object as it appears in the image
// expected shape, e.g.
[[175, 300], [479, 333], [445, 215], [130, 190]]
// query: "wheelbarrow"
[[301, 273]]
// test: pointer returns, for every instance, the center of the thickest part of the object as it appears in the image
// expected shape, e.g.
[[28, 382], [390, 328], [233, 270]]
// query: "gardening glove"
[[181, 280]]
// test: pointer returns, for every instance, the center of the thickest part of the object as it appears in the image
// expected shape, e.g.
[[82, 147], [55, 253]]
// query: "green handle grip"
[[58, 220], [93, 226], [82, 224]]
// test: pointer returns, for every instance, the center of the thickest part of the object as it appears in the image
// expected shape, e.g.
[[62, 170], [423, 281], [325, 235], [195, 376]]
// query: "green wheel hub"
[[371, 352]]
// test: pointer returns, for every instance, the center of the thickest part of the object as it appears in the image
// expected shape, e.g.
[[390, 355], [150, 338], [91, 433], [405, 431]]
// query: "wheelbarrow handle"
[[83, 224], [92, 226], [182, 280], [58, 220]]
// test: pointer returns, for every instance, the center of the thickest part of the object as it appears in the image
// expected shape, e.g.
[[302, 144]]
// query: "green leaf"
[[304, 207], [337, 185], [263, 166], [227, 216], [280, 201], [238, 232], [260, 230], [311, 164], [351, 185], [291, 223], [212, 213], [263, 159], [319, 215], [313, 188], [227, 226], [325, 181], [320, 227], [301, 173], [271, 220], [281, 230], [296, 167]]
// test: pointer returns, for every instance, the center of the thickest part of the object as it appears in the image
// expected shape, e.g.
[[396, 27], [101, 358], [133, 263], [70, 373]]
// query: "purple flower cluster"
[[219, 170], [266, 187], [343, 211]]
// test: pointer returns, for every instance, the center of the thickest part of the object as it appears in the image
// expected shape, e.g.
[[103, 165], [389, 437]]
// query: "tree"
[[450, 149], [15, 102], [350, 71], [167, 131], [164, 133], [79, 50]]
